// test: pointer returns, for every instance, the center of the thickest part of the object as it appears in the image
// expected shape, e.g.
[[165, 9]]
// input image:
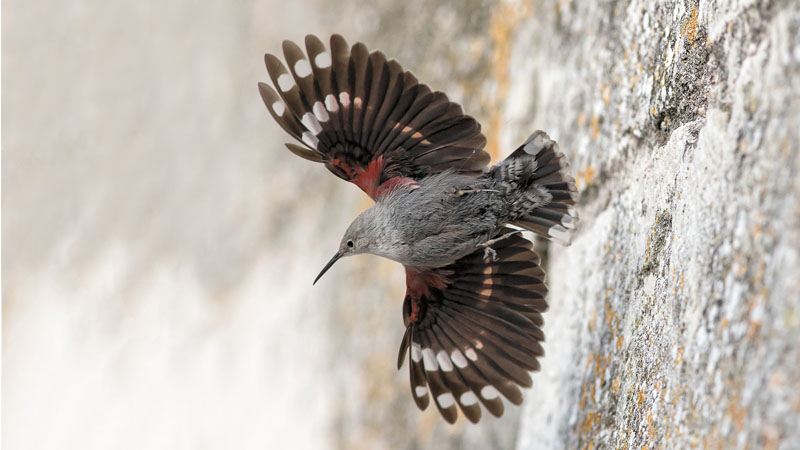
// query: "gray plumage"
[[475, 292], [446, 217]]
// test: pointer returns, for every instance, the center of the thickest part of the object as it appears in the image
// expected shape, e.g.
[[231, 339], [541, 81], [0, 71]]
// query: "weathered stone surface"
[[675, 315], [159, 242]]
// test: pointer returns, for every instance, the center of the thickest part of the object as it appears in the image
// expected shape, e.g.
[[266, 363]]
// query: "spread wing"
[[364, 117], [474, 329]]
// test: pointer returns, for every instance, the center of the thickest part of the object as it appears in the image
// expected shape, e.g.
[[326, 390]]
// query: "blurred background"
[[159, 242]]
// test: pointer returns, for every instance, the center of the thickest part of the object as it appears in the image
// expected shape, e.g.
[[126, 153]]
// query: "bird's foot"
[[487, 246]]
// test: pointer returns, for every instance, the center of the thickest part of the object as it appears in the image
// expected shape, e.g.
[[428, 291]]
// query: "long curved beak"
[[328, 266]]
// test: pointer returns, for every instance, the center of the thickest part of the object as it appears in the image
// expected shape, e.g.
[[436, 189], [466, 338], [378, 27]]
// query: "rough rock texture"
[[159, 242], [675, 314]]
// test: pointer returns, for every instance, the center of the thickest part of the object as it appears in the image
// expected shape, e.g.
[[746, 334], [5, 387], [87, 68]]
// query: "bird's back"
[[443, 219]]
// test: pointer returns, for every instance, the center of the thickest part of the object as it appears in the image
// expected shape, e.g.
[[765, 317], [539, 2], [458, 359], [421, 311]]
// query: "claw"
[[488, 250]]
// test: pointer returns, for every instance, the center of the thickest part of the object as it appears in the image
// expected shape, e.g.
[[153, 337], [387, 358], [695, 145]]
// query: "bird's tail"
[[548, 194]]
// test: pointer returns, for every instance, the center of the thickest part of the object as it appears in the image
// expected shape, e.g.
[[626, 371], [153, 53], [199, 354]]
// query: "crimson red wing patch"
[[474, 329], [369, 121]]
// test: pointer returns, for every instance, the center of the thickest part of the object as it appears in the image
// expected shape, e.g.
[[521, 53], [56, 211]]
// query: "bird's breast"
[[441, 221]]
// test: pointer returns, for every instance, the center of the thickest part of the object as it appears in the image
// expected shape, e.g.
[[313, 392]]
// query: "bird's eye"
[[350, 243]]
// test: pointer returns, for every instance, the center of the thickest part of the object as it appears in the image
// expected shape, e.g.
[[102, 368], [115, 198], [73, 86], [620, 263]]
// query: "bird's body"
[[427, 225], [475, 292], [444, 217]]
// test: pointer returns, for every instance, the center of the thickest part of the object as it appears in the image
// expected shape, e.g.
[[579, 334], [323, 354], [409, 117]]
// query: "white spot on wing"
[[489, 392], [279, 108], [310, 139], [344, 99], [302, 68], [320, 113], [357, 101], [458, 359], [572, 211], [478, 344], [445, 400], [430, 360], [323, 60], [567, 221], [285, 82], [416, 355], [559, 233], [444, 361], [420, 391], [535, 143], [470, 352], [310, 122], [331, 104], [468, 399]]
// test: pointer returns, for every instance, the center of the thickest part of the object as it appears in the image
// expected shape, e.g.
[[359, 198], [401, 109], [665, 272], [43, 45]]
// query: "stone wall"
[[675, 317], [159, 242]]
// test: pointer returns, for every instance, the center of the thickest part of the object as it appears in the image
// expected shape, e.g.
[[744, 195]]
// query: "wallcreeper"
[[475, 291]]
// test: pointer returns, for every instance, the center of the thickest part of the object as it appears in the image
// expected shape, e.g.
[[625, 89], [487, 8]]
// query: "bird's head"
[[361, 237]]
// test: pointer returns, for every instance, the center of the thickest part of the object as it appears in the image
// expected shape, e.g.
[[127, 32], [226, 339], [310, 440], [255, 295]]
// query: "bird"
[[475, 288]]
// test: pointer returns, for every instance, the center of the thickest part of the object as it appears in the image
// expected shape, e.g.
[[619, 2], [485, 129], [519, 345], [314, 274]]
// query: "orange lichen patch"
[[679, 358], [606, 94], [752, 328], [589, 360], [724, 323], [585, 176], [689, 28], [740, 271], [581, 118], [602, 364], [493, 134], [615, 385], [771, 440], [505, 18], [594, 123], [640, 398], [592, 319], [619, 343], [737, 412], [589, 422], [610, 313]]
